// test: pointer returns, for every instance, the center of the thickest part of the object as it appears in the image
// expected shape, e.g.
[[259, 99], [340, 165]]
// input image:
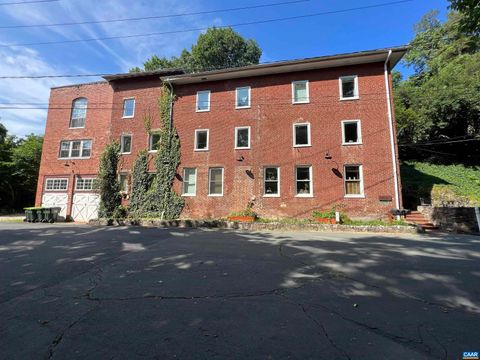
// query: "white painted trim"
[[390, 128], [195, 140], [356, 93], [236, 137], [71, 114], [45, 189], [123, 110], [70, 150], [249, 97], [308, 134], [121, 144], [183, 182], [359, 132], [150, 140], [310, 194], [126, 173], [360, 172], [223, 181], [196, 102], [307, 89], [83, 178], [278, 181]]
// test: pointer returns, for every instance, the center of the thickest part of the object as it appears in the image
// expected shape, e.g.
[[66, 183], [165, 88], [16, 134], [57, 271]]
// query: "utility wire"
[[27, 2], [206, 28], [153, 16]]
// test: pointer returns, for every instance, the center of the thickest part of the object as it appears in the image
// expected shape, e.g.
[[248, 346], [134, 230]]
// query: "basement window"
[[353, 181], [201, 140], [348, 87], [351, 132]]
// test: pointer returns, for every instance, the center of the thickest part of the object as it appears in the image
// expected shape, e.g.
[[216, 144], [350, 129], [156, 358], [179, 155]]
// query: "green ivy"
[[141, 180], [107, 182]]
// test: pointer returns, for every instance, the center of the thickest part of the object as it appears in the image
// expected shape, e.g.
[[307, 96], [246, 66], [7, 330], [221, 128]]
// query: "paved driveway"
[[80, 292]]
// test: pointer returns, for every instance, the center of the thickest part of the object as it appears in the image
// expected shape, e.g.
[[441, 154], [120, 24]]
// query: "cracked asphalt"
[[80, 292]]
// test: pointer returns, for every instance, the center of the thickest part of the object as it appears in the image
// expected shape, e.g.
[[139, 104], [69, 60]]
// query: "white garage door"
[[85, 206], [56, 200]]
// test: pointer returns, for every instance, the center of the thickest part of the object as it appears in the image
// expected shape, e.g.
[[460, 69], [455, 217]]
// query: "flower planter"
[[241, 218], [325, 220]]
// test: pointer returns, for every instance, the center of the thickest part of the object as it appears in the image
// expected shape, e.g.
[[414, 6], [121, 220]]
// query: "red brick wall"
[[271, 118], [97, 128]]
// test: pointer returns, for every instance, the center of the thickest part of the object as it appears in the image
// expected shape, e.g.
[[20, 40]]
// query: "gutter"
[[390, 126]]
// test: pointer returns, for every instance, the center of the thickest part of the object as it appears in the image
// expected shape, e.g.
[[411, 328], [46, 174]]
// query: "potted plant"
[[325, 217], [247, 215]]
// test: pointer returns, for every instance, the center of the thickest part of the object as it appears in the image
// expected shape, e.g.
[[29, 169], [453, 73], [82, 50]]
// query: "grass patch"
[[441, 183]]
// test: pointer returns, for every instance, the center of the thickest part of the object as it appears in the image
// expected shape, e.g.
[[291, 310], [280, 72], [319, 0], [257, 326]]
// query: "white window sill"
[[354, 196], [300, 102], [215, 195], [271, 195], [242, 107], [199, 111], [242, 148], [74, 158], [304, 195], [200, 150], [125, 153], [128, 117], [352, 143], [152, 151], [78, 127], [350, 98], [300, 146], [189, 195]]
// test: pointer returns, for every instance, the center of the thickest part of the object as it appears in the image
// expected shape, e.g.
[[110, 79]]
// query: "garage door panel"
[[56, 200], [85, 206]]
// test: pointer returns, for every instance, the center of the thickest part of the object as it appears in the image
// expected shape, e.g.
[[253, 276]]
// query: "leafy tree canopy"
[[471, 10], [217, 48]]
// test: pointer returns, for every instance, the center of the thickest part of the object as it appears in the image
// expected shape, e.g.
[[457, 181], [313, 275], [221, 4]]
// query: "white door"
[[56, 200], [85, 206]]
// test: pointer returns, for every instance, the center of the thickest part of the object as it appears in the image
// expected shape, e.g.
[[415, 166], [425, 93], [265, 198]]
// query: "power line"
[[204, 29], [153, 17], [28, 2]]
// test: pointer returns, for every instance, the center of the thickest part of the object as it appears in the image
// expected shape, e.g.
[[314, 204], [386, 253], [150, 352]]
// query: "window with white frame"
[[79, 113], [351, 132], [300, 93], [242, 137], [56, 184], [203, 100], [215, 182], [303, 180], [301, 134], [201, 140], [123, 180], [271, 181], [154, 141], [353, 181], [128, 108], [126, 144], [83, 184], [242, 97], [348, 87], [75, 149], [189, 181]]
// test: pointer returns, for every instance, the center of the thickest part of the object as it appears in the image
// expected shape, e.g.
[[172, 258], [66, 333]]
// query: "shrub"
[[107, 182]]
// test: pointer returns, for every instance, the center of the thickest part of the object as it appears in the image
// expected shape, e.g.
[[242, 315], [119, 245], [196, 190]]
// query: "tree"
[[141, 180], [107, 182], [217, 48], [471, 11]]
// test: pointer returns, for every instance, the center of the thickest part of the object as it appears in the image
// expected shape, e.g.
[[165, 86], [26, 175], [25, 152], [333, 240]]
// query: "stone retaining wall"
[[258, 226], [460, 219]]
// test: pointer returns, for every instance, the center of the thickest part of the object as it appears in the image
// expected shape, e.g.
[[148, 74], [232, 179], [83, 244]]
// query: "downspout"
[[390, 125]]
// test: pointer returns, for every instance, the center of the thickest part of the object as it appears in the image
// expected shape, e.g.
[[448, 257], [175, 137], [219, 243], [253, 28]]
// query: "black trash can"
[[50, 214], [32, 214]]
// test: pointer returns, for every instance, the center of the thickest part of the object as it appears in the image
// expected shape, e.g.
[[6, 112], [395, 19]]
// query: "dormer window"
[[79, 113]]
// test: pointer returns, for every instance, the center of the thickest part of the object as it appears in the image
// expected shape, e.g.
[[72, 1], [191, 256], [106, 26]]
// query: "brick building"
[[292, 137]]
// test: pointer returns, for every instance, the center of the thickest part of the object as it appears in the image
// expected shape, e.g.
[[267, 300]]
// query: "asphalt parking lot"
[[81, 292]]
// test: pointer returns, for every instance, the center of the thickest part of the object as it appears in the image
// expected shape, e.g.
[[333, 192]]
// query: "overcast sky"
[[314, 36]]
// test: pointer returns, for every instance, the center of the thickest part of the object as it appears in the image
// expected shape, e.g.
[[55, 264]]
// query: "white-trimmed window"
[[300, 93], [242, 137], [353, 176], [203, 101], [126, 144], [301, 134], [154, 141], [56, 184], [123, 180], [303, 181], [351, 132], [189, 182], [75, 149], [348, 87], [215, 182], [84, 184], [201, 139], [242, 97], [79, 113], [271, 181], [128, 108]]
